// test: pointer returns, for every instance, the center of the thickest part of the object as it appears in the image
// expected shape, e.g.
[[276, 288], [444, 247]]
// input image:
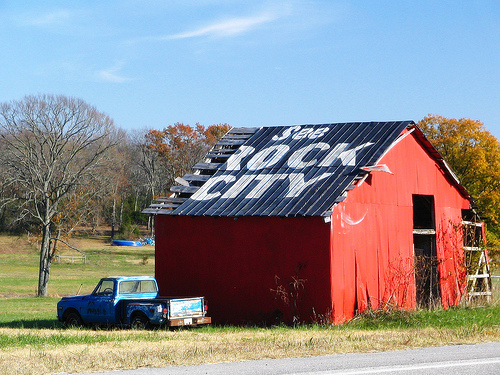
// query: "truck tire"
[[139, 321], [73, 319]]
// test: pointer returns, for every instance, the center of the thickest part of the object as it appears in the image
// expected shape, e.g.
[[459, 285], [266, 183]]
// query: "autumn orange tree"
[[473, 153], [181, 146]]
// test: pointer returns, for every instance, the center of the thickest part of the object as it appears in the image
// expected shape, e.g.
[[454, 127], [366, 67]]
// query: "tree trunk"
[[45, 262], [113, 219], [136, 203], [121, 215], [151, 225]]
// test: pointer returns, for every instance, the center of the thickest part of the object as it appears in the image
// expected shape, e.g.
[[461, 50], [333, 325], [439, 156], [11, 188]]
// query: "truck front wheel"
[[73, 319], [139, 321]]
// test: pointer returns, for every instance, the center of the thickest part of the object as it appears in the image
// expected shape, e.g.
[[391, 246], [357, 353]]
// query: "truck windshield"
[[137, 286], [105, 288]]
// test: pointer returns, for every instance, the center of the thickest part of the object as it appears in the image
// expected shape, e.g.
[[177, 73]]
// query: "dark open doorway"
[[424, 245]]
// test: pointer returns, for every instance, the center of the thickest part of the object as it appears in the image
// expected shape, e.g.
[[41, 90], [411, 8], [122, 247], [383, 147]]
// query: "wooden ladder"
[[476, 263]]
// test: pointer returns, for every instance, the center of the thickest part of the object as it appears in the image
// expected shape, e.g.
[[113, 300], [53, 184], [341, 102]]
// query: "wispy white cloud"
[[113, 74], [45, 19], [224, 28]]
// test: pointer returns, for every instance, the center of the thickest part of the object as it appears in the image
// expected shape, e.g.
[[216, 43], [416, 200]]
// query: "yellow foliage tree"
[[473, 153]]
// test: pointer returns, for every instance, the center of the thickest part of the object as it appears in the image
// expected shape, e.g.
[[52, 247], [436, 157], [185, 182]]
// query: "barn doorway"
[[424, 249]]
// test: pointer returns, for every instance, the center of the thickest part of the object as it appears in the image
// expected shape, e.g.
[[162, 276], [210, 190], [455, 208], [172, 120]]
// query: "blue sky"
[[149, 64]]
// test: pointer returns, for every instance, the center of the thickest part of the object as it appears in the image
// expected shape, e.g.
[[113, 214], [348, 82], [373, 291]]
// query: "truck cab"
[[130, 301], [103, 304]]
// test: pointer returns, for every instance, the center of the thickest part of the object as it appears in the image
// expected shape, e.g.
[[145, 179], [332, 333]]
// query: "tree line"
[[65, 165]]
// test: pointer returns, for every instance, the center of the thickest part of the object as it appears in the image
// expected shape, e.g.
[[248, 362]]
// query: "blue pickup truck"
[[131, 301]]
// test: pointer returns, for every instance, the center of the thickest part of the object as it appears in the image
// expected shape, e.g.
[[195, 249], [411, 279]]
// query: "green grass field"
[[29, 329], [19, 276]]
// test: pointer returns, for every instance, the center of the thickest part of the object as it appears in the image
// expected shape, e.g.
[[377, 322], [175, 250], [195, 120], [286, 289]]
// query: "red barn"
[[315, 223]]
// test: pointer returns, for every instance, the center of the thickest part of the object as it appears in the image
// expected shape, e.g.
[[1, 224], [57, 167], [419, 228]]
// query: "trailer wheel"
[[73, 319], [139, 321]]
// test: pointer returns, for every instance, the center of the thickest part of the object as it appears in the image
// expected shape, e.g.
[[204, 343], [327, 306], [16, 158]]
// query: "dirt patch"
[[30, 244], [17, 245]]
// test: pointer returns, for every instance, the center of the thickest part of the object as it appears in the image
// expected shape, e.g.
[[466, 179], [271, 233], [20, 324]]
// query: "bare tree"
[[149, 167], [51, 146]]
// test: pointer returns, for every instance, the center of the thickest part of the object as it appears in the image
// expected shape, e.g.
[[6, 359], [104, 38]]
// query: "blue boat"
[[126, 243]]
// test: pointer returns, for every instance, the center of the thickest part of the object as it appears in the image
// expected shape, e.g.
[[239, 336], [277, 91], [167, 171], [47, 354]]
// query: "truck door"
[[100, 305]]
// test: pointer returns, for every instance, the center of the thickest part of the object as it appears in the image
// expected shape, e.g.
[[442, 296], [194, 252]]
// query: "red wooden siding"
[[372, 235], [233, 263]]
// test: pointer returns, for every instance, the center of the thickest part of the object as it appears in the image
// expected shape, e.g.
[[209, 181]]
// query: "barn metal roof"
[[301, 170]]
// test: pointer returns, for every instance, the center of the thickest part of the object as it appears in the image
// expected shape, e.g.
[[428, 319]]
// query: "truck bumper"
[[190, 321]]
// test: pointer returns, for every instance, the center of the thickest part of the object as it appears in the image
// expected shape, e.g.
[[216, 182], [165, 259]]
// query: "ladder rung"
[[472, 223], [472, 277], [473, 248], [477, 294]]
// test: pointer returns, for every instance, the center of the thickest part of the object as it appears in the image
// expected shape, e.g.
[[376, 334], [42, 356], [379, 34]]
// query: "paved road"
[[457, 360]]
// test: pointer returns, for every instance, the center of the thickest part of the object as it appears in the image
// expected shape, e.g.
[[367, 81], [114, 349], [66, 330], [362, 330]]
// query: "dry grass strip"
[[164, 348]]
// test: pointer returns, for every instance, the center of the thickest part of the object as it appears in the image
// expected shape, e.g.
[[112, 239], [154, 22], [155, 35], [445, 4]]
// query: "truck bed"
[[181, 311]]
